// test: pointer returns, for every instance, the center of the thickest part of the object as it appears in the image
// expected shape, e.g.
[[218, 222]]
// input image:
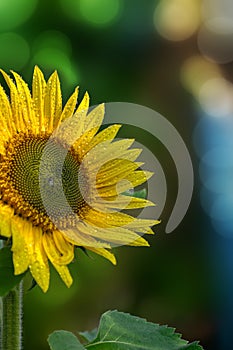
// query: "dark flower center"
[[40, 178]]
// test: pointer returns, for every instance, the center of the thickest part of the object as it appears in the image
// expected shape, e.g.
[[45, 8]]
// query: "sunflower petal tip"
[[16, 271], [67, 279], [37, 69], [13, 72], [114, 261], [44, 288], [69, 284], [86, 97], [43, 284], [146, 243], [157, 222]]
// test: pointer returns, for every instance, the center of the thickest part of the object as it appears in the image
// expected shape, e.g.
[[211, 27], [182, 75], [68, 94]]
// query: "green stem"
[[12, 319]]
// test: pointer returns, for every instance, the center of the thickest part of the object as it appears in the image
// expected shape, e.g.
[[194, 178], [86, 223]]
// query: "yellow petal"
[[26, 104], [78, 237], [121, 202], [116, 235], [139, 177], [53, 102], [101, 219], [108, 175], [107, 134], [116, 165], [105, 152], [95, 118], [136, 203], [58, 261], [6, 214], [71, 129], [103, 252], [16, 119], [142, 225], [130, 181], [64, 273], [39, 266], [84, 105], [131, 154], [68, 110], [81, 145], [6, 113], [150, 231], [21, 258], [38, 94], [140, 242], [64, 247], [28, 251], [92, 124], [61, 253]]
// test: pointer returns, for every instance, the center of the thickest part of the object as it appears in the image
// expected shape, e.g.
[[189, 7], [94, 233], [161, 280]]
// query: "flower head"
[[62, 182]]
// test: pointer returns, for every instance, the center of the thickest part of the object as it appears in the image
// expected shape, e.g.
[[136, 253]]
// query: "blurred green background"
[[115, 50]]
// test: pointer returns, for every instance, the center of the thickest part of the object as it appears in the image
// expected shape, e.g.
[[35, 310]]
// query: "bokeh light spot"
[[52, 49], [53, 39], [207, 198], [220, 157], [217, 8], [220, 25], [15, 12], [215, 40], [212, 132], [100, 12], [216, 97], [219, 208], [224, 228], [216, 180], [196, 70], [222, 208], [15, 51], [95, 12], [177, 20], [49, 59]]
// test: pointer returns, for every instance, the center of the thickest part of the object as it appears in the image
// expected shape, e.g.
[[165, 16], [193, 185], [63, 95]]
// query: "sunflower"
[[62, 182]]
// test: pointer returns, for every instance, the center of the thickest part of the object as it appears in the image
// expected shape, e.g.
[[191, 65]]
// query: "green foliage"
[[7, 278], [63, 340], [141, 193], [89, 336], [138, 194], [120, 331]]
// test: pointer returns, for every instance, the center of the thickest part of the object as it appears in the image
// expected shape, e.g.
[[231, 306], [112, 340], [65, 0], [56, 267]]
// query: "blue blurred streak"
[[213, 143]]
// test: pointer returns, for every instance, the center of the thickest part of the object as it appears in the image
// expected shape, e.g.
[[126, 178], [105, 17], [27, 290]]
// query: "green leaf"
[[7, 278], [63, 340], [89, 335], [120, 331], [138, 194]]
